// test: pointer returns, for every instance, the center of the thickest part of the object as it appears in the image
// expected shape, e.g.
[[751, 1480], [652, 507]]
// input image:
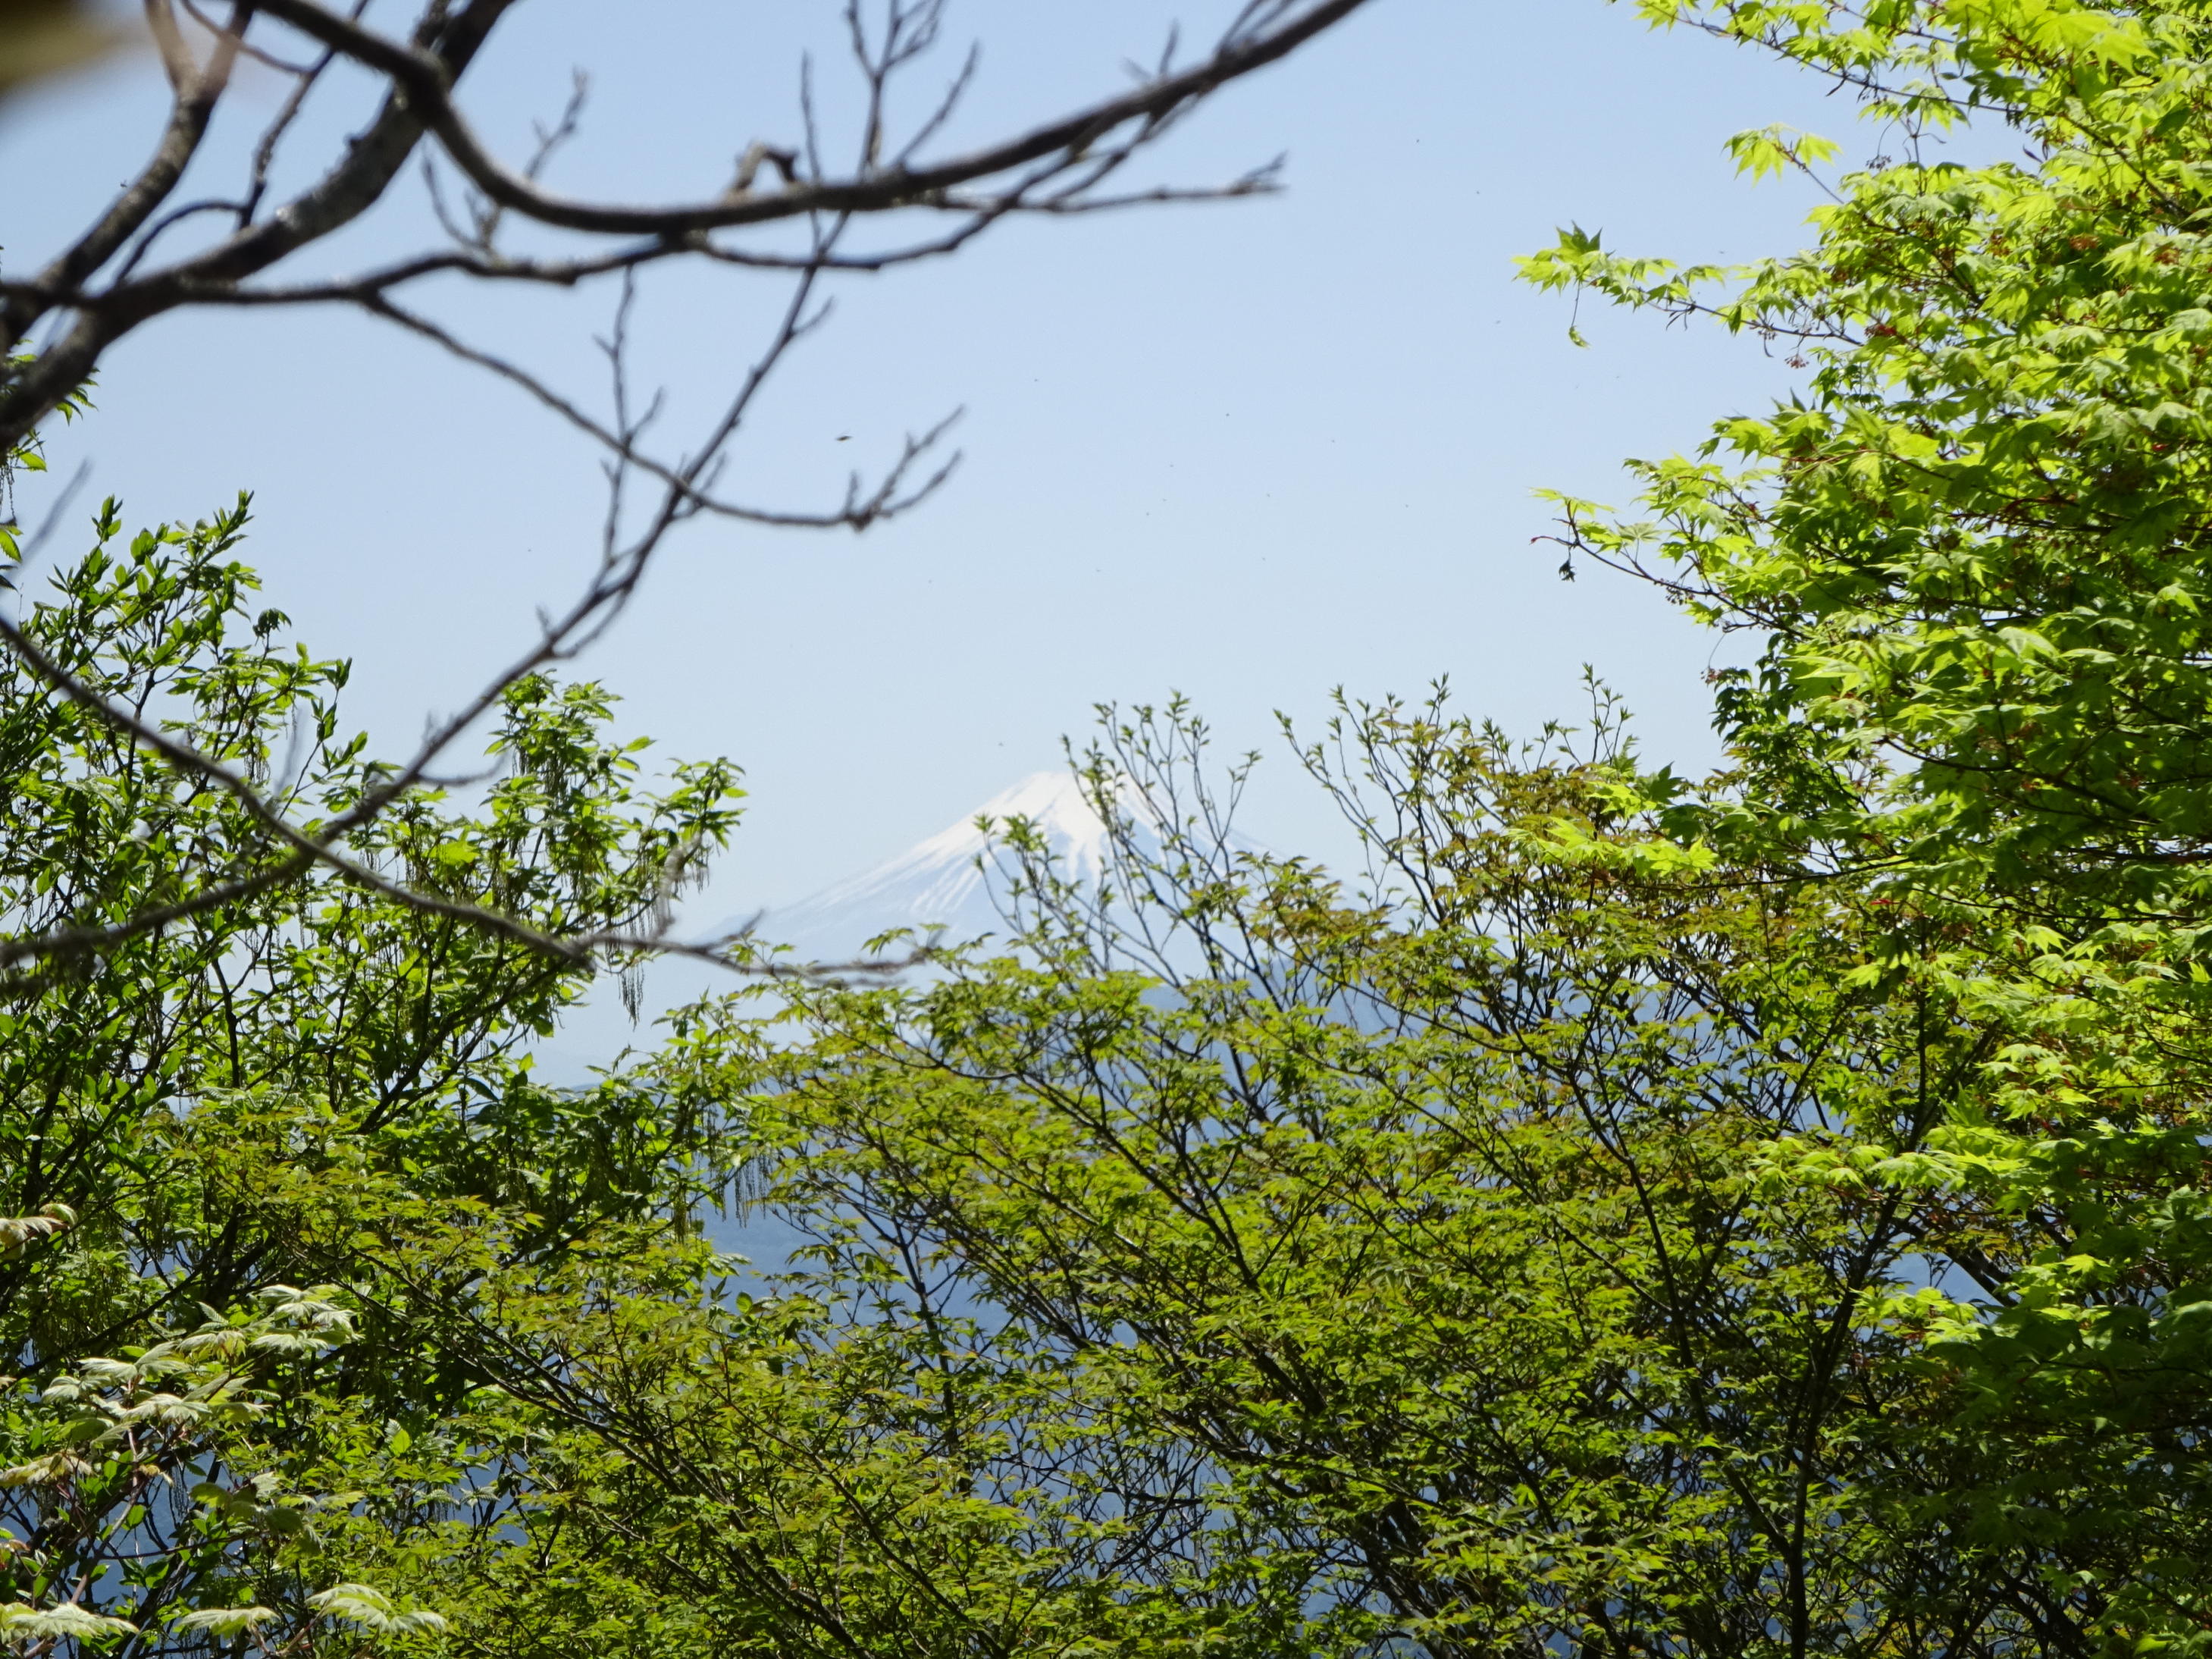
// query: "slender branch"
[[235, 31], [451, 34], [265, 150], [887, 501], [198, 92], [428, 86], [154, 232]]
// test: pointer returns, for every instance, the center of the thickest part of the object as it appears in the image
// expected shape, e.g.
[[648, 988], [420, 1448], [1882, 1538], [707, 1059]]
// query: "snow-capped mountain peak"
[[952, 879]]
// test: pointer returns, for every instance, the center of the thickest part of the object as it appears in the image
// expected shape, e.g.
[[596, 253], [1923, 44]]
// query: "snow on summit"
[[934, 883], [937, 882]]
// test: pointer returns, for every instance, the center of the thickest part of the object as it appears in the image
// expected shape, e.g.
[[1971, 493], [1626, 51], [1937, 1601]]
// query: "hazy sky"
[[1248, 451]]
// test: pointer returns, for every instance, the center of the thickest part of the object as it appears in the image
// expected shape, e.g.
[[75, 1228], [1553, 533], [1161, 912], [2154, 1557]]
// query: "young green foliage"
[[1974, 549], [1474, 1265]]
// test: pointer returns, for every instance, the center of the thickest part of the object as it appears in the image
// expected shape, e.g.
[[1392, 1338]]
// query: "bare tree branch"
[[452, 33], [264, 149], [860, 509], [259, 55], [1055, 169], [423, 72], [429, 85], [197, 92]]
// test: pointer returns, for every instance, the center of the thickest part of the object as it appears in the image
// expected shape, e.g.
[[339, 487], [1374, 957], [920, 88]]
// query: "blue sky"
[[1248, 451]]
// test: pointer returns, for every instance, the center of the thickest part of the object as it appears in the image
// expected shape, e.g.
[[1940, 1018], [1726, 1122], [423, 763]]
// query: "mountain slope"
[[938, 883]]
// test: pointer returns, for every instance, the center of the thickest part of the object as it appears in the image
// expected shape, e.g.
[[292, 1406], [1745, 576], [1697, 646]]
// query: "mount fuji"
[[953, 879], [956, 880]]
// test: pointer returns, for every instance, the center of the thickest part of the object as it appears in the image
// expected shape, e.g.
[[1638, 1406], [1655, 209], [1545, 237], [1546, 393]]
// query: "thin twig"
[[427, 83]]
